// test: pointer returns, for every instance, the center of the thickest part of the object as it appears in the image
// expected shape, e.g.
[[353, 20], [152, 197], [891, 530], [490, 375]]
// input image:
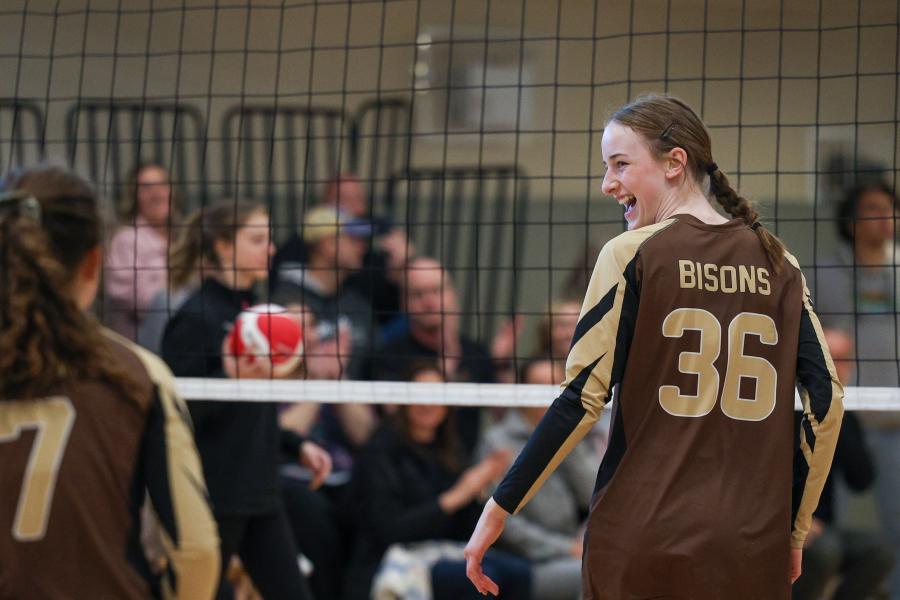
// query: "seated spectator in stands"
[[555, 334], [433, 310], [165, 303], [343, 429], [336, 244], [549, 530], [861, 559], [136, 260], [503, 349], [412, 486], [857, 293], [313, 514], [386, 255]]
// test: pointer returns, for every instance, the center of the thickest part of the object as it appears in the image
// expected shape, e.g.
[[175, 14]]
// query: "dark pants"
[[267, 552], [862, 560], [317, 534], [511, 574]]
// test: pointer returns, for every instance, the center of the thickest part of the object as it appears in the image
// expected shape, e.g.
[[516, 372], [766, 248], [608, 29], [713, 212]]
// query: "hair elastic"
[[667, 132], [755, 225], [712, 168], [22, 204]]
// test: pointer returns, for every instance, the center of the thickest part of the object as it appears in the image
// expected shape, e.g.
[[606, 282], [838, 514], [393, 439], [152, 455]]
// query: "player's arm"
[[594, 365], [822, 396], [175, 483]]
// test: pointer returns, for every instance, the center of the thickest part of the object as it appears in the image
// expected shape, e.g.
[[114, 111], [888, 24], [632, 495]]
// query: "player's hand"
[[318, 461], [796, 563], [245, 367], [490, 525]]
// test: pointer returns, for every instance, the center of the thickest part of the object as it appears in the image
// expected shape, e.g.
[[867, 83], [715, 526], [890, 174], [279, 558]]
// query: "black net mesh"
[[473, 126]]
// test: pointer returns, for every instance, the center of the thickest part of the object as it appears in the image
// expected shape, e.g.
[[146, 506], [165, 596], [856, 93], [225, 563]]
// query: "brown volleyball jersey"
[[74, 467], [701, 343]]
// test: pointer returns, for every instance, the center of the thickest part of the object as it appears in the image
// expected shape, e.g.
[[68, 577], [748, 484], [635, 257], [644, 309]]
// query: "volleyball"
[[268, 330]]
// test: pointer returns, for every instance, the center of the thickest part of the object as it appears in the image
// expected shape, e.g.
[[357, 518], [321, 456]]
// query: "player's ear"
[[224, 250], [675, 162], [87, 278]]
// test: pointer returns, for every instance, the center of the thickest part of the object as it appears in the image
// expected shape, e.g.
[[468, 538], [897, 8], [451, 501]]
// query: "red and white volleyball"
[[268, 330]]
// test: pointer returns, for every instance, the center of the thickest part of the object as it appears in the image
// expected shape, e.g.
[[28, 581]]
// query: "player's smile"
[[633, 176], [629, 203]]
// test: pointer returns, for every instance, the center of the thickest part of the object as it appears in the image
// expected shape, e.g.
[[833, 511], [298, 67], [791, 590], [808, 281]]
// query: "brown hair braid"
[[665, 122], [45, 338]]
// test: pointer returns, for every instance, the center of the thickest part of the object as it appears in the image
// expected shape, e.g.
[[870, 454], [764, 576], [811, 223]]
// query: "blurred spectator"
[[857, 293], [549, 530], [386, 254], [862, 559], [433, 310], [313, 514], [576, 282], [165, 303], [136, 260], [336, 244], [555, 334], [342, 428], [503, 349], [412, 487], [239, 443]]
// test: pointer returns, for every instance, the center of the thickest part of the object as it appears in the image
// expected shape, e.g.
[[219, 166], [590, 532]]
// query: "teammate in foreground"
[[702, 326], [88, 421]]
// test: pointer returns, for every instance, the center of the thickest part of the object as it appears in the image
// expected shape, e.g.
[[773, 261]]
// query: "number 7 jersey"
[[701, 343], [74, 469]]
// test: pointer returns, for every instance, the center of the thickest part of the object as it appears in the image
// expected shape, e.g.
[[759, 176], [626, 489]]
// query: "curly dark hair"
[[45, 337], [846, 209]]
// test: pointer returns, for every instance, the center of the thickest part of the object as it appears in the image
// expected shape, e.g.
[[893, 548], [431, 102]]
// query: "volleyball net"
[[472, 128]]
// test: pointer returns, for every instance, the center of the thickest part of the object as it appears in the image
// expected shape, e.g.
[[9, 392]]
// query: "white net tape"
[[456, 394]]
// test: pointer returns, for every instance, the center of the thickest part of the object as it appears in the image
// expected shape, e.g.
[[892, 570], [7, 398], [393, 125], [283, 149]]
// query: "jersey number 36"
[[702, 364]]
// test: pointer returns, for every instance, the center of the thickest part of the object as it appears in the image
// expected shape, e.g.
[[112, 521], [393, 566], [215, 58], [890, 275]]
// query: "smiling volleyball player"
[[702, 326]]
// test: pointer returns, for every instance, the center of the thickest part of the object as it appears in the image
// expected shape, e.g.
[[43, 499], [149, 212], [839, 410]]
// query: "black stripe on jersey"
[[594, 315], [561, 419], [615, 450], [156, 468], [812, 369], [801, 472], [627, 322], [134, 550]]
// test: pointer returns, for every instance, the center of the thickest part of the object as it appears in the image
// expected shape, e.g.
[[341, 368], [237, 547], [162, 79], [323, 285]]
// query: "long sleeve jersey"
[[74, 470], [701, 343]]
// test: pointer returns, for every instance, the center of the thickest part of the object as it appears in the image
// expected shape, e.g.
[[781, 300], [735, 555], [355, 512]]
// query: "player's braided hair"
[[196, 248], [666, 122], [45, 337]]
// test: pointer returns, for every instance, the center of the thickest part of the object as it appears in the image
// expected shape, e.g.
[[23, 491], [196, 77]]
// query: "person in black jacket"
[[411, 487], [432, 305], [239, 443], [862, 559]]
